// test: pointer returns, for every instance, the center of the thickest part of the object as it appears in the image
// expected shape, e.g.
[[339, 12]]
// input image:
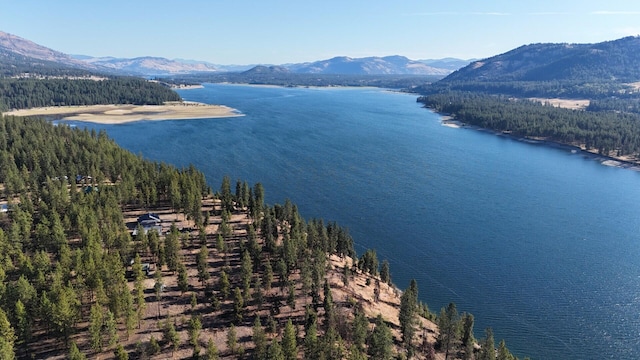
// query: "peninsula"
[[119, 114]]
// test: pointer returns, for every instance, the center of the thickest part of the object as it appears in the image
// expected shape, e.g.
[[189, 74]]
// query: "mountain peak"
[[24, 47]]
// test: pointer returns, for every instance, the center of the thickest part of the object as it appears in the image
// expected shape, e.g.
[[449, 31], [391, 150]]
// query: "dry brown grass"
[[574, 104]]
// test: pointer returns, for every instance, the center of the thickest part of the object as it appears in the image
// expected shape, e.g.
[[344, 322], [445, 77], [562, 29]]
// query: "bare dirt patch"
[[574, 104]]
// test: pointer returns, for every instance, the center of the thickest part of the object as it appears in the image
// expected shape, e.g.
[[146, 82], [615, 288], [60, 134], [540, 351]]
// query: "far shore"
[[625, 162], [120, 114]]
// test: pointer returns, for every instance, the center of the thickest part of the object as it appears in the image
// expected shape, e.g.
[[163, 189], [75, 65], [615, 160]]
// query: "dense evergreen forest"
[[28, 93], [231, 277], [269, 77], [608, 132], [566, 89]]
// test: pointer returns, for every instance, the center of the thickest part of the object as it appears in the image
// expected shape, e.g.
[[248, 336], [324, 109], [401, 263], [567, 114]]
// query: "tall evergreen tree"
[[449, 324], [408, 311], [488, 350], [259, 340], [289, 346], [380, 341]]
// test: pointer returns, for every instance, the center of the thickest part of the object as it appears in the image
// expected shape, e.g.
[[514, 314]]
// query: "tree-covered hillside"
[[607, 133], [592, 71], [227, 276], [617, 60]]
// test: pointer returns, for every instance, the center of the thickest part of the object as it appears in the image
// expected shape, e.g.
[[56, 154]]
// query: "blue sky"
[[284, 31]]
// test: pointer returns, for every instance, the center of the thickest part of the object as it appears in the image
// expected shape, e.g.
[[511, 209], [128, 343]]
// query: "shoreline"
[[121, 114], [612, 161], [187, 87]]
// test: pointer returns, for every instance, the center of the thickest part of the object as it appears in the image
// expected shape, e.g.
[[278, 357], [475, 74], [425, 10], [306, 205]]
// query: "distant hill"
[[19, 56], [14, 44], [451, 64], [148, 65], [266, 70], [617, 60], [395, 65]]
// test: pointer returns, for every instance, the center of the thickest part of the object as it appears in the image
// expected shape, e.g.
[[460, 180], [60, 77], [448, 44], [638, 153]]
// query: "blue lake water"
[[538, 243]]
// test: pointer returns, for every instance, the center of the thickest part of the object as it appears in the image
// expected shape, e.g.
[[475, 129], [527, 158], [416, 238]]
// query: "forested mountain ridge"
[[509, 93], [617, 60], [569, 71]]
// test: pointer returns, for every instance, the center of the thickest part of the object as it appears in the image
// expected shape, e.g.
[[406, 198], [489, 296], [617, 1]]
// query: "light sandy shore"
[[118, 114]]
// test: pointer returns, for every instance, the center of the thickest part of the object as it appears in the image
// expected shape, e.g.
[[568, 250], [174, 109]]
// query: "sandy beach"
[[118, 114]]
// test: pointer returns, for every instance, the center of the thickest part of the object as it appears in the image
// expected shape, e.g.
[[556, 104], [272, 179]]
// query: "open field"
[[574, 104]]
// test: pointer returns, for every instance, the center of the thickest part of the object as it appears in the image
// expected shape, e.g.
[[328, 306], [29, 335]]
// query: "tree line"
[[607, 132], [567, 89], [29, 93]]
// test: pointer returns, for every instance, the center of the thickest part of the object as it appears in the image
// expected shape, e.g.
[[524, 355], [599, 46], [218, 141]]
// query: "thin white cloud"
[[489, 13], [607, 12], [456, 13], [548, 13]]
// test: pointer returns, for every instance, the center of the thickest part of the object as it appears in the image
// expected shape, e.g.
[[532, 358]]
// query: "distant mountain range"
[[367, 66], [28, 51], [146, 66]]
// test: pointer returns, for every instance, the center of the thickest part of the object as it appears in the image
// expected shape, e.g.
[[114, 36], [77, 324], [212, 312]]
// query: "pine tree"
[[385, 274], [212, 351], [289, 347], [503, 352], [275, 351], [96, 321], [238, 305], [7, 338], [158, 287], [170, 336], [311, 344], [407, 316], [467, 335], [380, 341], [359, 330], [488, 350], [224, 284], [183, 278], [74, 352], [232, 339], [120, 353], [202, 264], [23, 323], [195, 326], [138, 289], [259, 339], [449, 325], [111, 328]]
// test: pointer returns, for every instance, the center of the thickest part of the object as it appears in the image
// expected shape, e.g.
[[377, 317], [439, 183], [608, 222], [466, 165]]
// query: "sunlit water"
[[538, 243]]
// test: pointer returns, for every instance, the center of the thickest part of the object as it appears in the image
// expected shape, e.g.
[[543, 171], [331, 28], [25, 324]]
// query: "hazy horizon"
[[279, 32]]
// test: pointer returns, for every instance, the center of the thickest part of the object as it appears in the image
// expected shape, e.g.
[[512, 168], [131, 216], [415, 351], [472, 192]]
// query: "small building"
[[149, 218]]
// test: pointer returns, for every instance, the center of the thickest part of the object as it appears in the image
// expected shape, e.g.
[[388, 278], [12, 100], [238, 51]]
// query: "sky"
[[293, 31]]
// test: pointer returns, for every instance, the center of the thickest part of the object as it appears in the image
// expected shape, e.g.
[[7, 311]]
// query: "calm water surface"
[[538, 243]]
